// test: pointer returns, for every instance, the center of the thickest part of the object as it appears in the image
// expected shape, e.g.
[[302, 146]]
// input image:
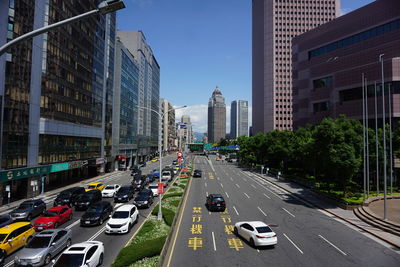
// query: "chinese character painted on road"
[[226, 218], [196, 209], [229, 229], [196, 229], [235, 243], [225, 211], [195, 242], [196, 218]]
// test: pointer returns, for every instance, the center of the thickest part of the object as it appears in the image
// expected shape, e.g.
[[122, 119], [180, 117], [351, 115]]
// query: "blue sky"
[[200, 45]]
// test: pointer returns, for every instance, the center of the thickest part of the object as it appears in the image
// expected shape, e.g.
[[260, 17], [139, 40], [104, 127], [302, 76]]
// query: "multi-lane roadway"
[[306, 235], [112, 243]]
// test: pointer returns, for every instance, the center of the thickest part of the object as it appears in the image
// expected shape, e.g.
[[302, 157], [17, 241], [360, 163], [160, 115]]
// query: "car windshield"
[[144, 193], [120, 214], [153, 186], [50, 213], [123, 190], [91, 187], [25, 206], [264, 229], [85, 197], [65, 194], [39, 242], [70, 260], [141, 197], [2, 237], [110, 187], [94, 209]]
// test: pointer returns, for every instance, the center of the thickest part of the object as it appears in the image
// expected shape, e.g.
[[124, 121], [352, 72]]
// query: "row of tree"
[[330, 153]]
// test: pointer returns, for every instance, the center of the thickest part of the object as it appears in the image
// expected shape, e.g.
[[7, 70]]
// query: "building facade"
[[184, 133], [53, 91], [168, 128], [330, 61], [274, 24], [239, 118], [149, 91], [125, 112], [216, 117]]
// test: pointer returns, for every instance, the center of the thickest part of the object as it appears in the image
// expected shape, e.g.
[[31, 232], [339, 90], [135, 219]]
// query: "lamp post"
[[384, 139], [104, 7], [160, 116]]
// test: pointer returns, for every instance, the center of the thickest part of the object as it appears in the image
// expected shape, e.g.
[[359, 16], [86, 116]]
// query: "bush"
[[182, 186], [132, 253], [177, 194], [168, 215]]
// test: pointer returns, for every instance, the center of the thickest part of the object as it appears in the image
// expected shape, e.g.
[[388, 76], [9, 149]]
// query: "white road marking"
[[207, 194], [253, 186], [245, 179], [97, 234], [73, 224], [231, 179], [11, 263], [293, 244], [217, 178], [237, 186], [262, 211], [227, 194], [288, 212], [246, 195], [205, 184], [209, 213], [267, 196], [215, 248], [222, 185], [236, 210], [341, 251], [258, 250]]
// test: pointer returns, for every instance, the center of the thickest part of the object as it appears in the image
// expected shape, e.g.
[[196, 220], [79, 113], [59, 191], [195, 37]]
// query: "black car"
[[215, 202], [97, 213], [87, 199], [28, 209], [124, 194], [138, 184], [197, 173], [150, 178], [5, 220], [69, 196], [3, 255], [144, 198]]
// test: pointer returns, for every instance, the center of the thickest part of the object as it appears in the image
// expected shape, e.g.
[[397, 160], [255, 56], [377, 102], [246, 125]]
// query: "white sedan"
[[256, 232], [110, 190], [88, 254]]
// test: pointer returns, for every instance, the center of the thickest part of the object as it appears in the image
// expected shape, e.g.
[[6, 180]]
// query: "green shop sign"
[[23, 173], [59, 167]]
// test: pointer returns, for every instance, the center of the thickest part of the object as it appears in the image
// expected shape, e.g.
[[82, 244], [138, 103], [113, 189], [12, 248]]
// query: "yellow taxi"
[[154, 160], [15, 235], [93, 186]]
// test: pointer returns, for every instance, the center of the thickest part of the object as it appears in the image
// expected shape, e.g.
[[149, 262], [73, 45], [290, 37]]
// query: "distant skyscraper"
[[275, 23], [239, 118], [216, 117]]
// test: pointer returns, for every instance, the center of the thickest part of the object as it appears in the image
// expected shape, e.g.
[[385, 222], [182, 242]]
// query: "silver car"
[[43, 247]]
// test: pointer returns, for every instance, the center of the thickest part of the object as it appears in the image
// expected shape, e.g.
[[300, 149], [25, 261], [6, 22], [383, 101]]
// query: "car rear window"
[[110, 187], [218, 199], [264, 229]]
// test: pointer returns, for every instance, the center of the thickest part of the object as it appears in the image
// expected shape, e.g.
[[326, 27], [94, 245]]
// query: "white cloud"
[[198, 117]]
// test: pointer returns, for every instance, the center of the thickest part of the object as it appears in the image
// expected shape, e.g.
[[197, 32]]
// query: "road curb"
[[332, 213]]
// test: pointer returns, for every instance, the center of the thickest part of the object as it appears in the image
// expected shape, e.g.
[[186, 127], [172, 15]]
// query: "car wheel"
[[68, 243], [252, 243], [101, 221], [47, 259], [100, 260], [129, 228], [235, 231]]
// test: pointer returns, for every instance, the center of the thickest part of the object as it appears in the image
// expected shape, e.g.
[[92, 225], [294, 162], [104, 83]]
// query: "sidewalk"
[[346, 215], [52, 193]]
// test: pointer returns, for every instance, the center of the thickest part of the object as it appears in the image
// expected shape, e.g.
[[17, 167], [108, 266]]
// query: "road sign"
[[160, 188], [179, 154]]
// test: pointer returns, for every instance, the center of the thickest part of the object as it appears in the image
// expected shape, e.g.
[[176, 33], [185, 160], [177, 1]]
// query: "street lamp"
[[104, 7], [160, 116]]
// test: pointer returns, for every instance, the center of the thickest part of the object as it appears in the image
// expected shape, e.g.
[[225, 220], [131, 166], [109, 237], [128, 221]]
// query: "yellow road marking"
[[195, 242], [235, 243]]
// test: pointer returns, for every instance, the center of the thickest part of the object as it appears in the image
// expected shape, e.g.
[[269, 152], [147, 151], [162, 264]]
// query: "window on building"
[[322, 82]]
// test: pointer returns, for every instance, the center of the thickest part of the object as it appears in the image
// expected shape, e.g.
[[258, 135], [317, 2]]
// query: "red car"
[[53, 217]]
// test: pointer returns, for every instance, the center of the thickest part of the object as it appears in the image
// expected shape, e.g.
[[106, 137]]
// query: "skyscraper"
[[149, 90], [239, 119], [216, 117], [275, 23]]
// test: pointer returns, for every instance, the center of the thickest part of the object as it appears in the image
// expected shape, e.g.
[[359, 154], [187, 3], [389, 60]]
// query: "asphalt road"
[[112, 243], [306, 235]]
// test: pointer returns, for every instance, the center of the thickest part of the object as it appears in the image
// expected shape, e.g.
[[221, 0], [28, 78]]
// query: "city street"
[[306, 235], [112, 243]]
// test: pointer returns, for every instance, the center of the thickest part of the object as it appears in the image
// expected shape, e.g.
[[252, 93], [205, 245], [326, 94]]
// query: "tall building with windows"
[[239, 119], [168, 125], [185, 132], [55, 90], [274, 24], [149, 90], [216, 117], [125, 109]]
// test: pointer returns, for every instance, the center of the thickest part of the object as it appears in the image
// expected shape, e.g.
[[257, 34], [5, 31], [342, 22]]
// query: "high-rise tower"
[[239, 118], [275, 23], [216, 116]]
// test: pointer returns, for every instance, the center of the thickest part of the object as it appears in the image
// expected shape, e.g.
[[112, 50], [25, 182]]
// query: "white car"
[[122, 220], [87, 254], [154, 187], [166, 175], [257, 233], [110, 190]]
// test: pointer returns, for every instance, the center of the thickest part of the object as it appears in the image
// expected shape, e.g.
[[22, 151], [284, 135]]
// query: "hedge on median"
[[168, 215]]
